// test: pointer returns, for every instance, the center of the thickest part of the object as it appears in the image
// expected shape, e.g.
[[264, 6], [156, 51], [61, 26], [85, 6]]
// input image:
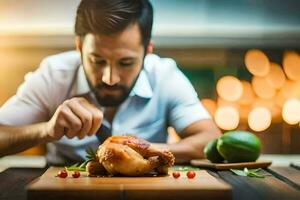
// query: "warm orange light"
[[227, 118], [257, 62], [210, 105], [244, 112], [271, 106], [296, 91], [290, 89], [222, 102], [248, 95], [291, 111], [173, 137], [291, 65], [229, 88], [262, 89], [259, 119], [275, 77]]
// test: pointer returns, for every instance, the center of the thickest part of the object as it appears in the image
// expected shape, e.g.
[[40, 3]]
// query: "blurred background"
[[242, 56]]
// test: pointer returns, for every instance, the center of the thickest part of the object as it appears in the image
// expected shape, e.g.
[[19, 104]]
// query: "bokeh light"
[[259, 119], [290, 89], [248, 95], [291, 111], [229, 88], [275, 78], [222, 102], [227, 118], [271, 106], [257, 63], [262, 89], [291, 65], [264, 100]]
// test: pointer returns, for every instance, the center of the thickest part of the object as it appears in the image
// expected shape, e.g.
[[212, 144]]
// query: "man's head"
[[113, 37]]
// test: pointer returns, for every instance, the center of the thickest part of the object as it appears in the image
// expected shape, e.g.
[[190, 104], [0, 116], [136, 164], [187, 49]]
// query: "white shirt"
[[161, 97]]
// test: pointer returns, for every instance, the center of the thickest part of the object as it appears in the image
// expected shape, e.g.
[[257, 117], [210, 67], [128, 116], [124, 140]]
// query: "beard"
[[111, 100]]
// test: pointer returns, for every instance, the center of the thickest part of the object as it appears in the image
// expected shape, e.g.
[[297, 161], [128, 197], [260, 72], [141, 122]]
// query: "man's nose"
[[110, 76]]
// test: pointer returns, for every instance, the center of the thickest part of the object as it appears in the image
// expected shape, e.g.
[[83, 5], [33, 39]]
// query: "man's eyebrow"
[[128, 58], [96, 55]]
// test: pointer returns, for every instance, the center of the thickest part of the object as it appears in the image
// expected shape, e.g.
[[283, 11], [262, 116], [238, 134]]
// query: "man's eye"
[[126, 64], [98, 62]]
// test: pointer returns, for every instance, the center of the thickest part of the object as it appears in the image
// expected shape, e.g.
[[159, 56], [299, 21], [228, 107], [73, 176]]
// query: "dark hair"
[[112, 16]]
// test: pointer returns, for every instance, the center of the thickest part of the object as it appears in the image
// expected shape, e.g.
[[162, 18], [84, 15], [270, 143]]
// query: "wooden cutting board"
[[224, 166], [203, 186]]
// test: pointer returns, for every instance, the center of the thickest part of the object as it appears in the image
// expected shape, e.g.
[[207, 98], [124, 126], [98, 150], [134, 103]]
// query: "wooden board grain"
[[251, 188], [287, 174], [203, 186], [224, 166]]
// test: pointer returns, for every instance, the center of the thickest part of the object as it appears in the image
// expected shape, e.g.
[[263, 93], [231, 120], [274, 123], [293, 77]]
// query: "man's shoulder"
[[158, 66], [65, 61], [165, 76]]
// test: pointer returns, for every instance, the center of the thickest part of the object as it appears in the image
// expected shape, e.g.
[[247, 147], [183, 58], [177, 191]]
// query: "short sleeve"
[[31, 102], [184, 106]]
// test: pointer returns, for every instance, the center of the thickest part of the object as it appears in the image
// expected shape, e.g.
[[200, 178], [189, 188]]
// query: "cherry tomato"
[[176, 174], [62, 173], [76, 174], [191, 174]]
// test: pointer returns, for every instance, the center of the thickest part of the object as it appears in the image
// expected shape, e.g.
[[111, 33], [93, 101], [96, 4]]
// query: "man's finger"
[[97, 117], [70, 121], [85, 116]]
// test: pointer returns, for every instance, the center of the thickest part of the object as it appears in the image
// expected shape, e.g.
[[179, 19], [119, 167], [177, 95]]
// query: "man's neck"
[[110, 113]]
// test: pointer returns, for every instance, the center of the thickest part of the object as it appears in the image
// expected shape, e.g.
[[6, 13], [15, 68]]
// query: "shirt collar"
[[82, 84], [142, 87]]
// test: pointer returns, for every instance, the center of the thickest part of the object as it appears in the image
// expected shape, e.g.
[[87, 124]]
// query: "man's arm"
[[17, 139], [185, 114], [195, 137], [74, 118]]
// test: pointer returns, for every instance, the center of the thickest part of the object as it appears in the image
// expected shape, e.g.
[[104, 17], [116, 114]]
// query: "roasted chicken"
[[129, 156]]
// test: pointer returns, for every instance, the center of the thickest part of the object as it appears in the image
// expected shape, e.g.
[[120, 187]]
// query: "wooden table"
[[281, 182]]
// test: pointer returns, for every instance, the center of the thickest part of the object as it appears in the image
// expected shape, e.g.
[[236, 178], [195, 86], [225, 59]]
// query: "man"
[[113, 82]]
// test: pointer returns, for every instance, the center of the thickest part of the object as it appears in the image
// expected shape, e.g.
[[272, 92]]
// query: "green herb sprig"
[[184, 168], [247, 172], [90, 155]]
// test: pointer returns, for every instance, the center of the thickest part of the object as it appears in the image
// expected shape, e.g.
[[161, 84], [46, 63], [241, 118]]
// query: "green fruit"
[[239, 146], [211, 152]]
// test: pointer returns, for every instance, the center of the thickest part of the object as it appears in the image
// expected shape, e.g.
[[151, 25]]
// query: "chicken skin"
[[131, 156]]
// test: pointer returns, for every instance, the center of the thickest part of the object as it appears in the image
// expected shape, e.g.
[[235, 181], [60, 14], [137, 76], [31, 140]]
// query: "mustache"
[[110, 87]]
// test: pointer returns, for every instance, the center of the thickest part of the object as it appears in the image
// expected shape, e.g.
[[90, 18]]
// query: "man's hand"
[[75, 117]]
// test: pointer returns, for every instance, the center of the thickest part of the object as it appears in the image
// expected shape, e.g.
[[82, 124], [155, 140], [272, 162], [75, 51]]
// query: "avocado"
[[211, 152], [239, 146]]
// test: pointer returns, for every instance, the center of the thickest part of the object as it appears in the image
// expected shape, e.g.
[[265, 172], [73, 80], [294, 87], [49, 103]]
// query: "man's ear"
[[78, 43], [150, 47]]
